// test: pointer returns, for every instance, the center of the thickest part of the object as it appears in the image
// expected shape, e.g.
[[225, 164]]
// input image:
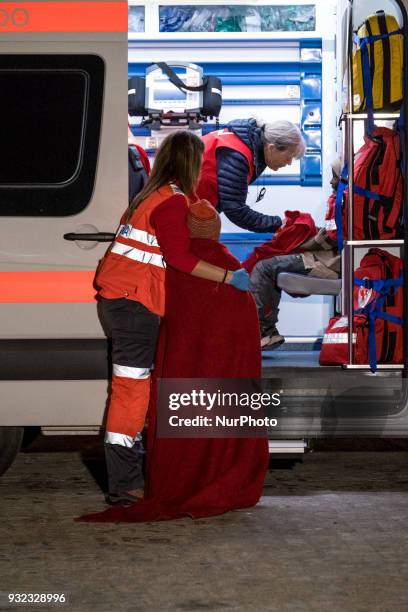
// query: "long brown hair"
[[178, 159]]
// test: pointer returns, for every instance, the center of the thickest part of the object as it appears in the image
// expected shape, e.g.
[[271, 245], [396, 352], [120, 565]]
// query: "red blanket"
[[209, 331], [298, 228]]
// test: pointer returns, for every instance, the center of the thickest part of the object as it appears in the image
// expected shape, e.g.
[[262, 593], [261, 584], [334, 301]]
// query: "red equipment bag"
[[334, 349], [377, 321], [378, 189]]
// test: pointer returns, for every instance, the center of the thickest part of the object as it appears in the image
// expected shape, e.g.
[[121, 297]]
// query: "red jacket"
[[298, 228]]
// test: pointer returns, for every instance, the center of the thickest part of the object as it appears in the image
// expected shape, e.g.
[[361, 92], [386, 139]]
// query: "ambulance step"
[[287, 447]]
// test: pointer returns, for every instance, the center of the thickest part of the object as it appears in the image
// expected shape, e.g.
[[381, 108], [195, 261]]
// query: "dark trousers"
[[133, 330], [264, 288]]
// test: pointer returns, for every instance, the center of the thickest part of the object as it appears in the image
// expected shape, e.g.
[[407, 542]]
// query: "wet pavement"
[[329, 534]]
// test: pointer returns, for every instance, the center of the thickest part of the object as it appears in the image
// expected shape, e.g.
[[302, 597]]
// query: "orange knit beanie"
[[203, 221]]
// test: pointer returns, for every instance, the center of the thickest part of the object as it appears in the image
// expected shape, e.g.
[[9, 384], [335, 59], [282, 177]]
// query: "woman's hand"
[[238, 279]]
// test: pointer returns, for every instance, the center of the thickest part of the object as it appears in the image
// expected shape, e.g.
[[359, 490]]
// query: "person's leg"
[[133, 329], [267, 294]]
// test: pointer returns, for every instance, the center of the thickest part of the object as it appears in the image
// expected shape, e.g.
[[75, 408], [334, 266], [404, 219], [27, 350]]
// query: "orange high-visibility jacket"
[[133, 267]]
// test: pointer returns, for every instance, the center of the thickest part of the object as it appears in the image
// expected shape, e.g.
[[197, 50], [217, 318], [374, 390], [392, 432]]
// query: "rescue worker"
[[130, 278], [236, 156], [317, 256]]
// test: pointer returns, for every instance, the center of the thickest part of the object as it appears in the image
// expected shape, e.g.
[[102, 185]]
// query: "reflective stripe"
[[340, 338], [176, 189], [128, 231], [137, 254], [112, 437], [330, 224], [129, 372]]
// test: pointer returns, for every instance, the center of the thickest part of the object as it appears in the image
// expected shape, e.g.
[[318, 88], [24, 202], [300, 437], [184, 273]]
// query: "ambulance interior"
[[299, 73], [295, 75]]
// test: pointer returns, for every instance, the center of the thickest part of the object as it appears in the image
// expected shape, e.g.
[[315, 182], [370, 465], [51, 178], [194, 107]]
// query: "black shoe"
[[123, 499]]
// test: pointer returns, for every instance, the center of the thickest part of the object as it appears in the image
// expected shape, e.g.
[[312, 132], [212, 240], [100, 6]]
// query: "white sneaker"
[[272, 340]]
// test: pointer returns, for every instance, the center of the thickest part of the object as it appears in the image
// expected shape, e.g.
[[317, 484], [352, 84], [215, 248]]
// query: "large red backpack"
[[378, 311], [378, 189]]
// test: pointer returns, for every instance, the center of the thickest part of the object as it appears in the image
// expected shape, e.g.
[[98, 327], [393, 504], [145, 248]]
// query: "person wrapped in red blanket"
[[209, 331]]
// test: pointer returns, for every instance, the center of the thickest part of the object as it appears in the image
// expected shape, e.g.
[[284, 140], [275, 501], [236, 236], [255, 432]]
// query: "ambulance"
[[64, 70]]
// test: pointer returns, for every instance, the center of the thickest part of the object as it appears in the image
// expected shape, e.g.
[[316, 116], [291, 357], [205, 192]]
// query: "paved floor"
[[331, 534]]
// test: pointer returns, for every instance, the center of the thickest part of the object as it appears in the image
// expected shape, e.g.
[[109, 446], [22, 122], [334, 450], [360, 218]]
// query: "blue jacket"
[[232, 174]]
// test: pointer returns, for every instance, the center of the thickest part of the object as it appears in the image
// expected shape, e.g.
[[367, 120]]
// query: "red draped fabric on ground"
[[209, 331]]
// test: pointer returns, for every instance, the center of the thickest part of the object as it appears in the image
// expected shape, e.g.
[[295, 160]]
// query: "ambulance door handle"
[[96, 237]]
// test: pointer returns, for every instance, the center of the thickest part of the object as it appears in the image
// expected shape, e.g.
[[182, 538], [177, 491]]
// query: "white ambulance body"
[[64, 110], [64, 83]]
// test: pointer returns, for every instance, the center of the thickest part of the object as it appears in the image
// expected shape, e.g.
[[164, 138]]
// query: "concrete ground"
[[331, 534]]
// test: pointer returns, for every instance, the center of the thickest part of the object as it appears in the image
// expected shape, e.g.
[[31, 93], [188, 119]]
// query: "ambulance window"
[[51, 107], [237, 18], [45, 113], [136, 19]]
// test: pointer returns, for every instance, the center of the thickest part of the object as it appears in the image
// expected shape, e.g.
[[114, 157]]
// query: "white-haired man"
[[236, 156]]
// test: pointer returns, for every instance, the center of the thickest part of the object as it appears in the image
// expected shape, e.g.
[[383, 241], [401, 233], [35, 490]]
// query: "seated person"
[[316, 256]]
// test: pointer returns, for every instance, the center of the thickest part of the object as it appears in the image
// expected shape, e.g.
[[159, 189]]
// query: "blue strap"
[[338, 209], [367, 85], [374, 310], [375, 37], [367, 194], [392, 318], [379, 284], [400, 120], [365, 64], [372, 342]]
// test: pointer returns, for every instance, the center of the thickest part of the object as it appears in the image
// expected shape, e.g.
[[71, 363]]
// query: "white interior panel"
[[261, 92], [213, 51], [266, 113], [306, 317]]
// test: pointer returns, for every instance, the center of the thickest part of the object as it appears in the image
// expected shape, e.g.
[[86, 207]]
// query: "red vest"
[[133, 267], [208, 183]]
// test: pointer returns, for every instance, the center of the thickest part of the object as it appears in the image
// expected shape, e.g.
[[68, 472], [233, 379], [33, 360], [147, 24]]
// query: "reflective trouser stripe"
[[130, 372], [122, 440], [128, 406]]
